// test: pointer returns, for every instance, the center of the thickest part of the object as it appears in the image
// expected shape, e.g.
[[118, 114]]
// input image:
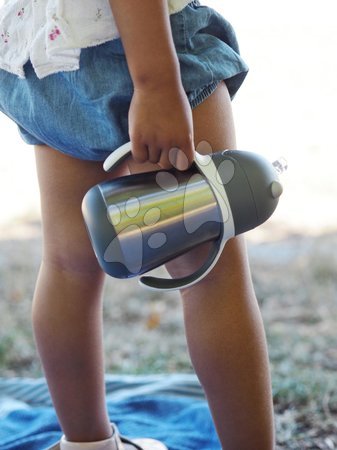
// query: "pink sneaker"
[[122, 443]]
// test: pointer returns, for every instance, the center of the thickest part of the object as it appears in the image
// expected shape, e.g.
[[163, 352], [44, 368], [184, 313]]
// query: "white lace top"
[[51, 33]]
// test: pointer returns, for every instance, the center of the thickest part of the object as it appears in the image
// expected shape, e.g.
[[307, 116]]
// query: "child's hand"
[[160, 122], [160, 117]]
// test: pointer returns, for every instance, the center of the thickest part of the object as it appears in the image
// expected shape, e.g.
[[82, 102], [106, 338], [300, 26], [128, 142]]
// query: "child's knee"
[[74, 265], [67, 247], [71, 258]]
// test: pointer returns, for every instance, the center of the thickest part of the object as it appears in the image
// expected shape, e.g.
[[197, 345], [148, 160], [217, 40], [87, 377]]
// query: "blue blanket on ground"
[[170, 408]]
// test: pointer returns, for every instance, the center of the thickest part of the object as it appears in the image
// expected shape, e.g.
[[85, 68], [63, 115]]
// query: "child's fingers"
[[139, 151], [182, 158], [167, 157], [164, 161], [154, 152], [177, 158]]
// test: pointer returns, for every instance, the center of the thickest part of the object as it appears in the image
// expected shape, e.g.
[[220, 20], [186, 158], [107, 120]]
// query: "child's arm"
[[160, 116]]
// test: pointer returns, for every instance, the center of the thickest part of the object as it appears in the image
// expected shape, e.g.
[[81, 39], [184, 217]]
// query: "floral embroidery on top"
[[98, 14], [21, 13], [55, 32], [5, 37]]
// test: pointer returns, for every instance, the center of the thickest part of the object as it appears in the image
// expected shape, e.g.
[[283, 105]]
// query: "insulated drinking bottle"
[[139, 222]]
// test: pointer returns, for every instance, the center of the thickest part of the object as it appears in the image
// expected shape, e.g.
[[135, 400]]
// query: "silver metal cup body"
[[157, 216]]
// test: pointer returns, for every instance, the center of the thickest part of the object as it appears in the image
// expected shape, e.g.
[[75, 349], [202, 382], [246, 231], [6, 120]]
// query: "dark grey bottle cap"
[[253, 190]]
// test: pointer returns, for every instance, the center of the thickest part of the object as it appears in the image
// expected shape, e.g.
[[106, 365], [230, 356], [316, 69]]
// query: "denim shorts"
[[84, 113]]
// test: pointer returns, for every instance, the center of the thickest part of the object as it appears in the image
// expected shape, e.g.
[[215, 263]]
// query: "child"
[[165, 83]]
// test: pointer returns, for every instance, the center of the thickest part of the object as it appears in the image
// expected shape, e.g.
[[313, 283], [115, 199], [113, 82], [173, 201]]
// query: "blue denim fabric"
[[84, 113]]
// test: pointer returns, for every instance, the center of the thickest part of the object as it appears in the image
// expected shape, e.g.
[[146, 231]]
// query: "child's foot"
[[116, 442]]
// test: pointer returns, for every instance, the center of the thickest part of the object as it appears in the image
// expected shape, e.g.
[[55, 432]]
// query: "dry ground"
[[296, 282]]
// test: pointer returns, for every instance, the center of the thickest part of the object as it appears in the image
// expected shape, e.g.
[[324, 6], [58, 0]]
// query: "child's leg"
[[223, 324], [67, 304]]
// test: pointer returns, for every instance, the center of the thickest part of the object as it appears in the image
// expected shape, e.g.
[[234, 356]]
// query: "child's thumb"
[[179, 159]]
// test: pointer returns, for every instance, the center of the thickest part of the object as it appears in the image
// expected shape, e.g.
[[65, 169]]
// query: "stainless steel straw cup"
[[137, 223]]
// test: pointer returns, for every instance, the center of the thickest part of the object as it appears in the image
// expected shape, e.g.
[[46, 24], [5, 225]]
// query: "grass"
[[299, 307], [296, 284]]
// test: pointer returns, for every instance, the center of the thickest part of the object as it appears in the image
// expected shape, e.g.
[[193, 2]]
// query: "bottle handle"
[[117, 156], [170, 284]]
